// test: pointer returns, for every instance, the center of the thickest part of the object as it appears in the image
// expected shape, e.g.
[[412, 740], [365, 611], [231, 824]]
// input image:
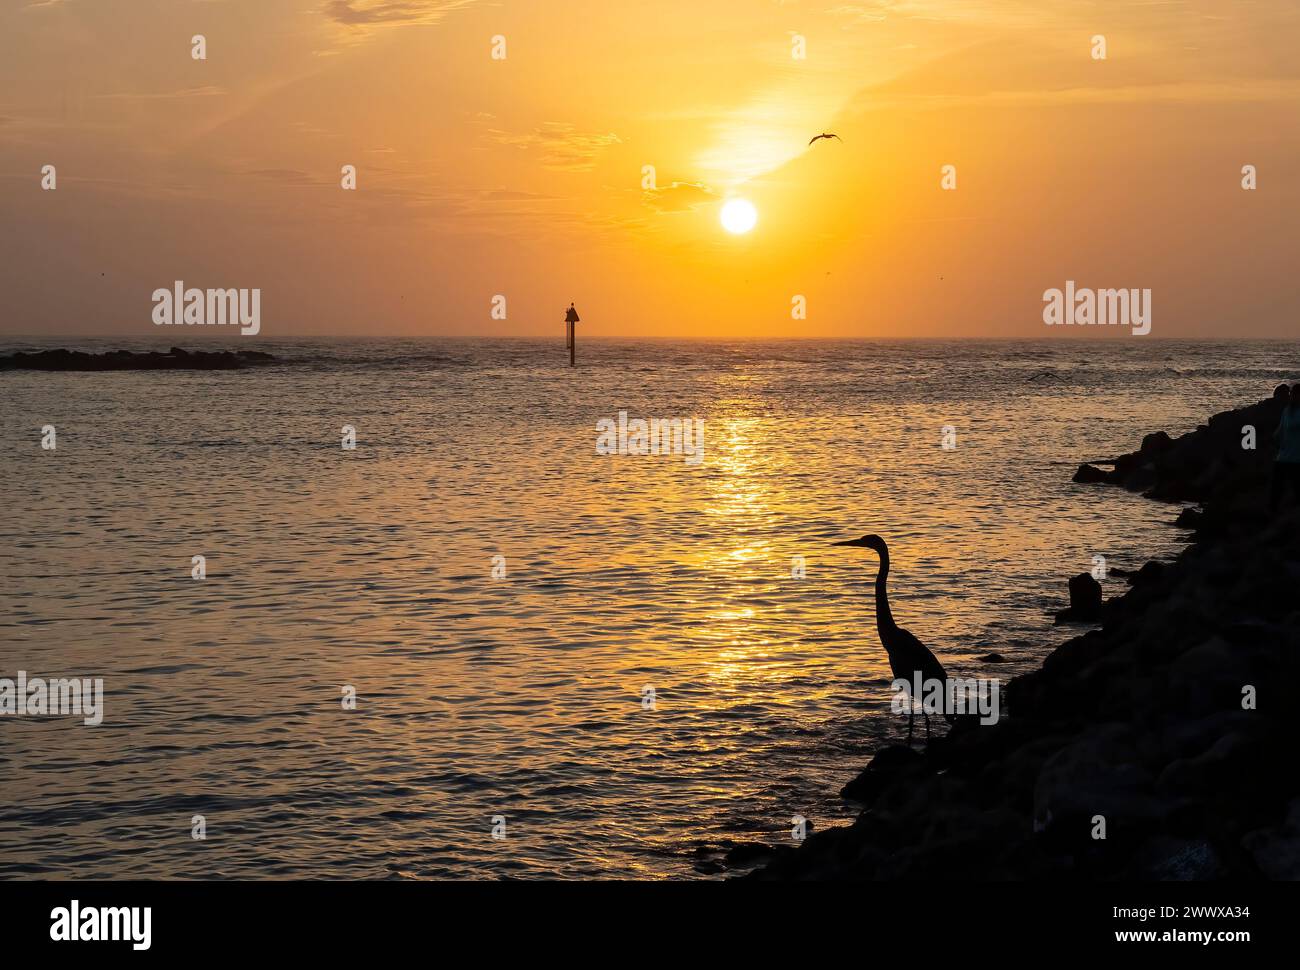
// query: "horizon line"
[[605, 338]]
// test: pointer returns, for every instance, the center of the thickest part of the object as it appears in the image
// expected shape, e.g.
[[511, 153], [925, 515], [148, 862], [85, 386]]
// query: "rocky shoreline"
[[174, 359], [1174, 720]]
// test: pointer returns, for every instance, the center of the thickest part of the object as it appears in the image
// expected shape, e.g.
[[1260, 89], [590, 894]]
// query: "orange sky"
[[523, 176]]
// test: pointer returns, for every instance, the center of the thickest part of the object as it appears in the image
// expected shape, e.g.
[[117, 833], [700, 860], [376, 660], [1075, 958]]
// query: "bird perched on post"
[[908, 656]]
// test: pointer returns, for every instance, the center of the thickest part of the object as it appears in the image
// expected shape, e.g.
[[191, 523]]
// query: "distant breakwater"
[[113, 360]]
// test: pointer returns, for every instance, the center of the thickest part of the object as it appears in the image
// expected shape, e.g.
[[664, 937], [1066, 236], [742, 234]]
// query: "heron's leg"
[[911, 721], [927, 724]]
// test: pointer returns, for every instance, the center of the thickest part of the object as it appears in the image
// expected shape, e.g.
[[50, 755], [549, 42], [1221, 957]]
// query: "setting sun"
[[738, 216]]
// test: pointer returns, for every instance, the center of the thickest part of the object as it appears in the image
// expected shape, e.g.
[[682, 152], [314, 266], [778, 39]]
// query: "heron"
[[825, 134], [908, 656]]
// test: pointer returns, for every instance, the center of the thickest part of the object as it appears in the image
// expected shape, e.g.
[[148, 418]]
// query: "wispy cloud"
[[679, 196], [988, 12], [379, 13], [288, 176], [206, 91], [560, 146]]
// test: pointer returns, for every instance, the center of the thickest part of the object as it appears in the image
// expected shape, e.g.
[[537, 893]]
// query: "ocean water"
[[521, 696]]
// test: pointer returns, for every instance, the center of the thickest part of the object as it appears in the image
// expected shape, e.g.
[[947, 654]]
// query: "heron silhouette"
[[908, 656], [826, 135]]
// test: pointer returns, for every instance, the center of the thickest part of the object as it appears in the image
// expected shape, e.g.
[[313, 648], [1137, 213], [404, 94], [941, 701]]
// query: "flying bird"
[[825, 135], [908, 656]]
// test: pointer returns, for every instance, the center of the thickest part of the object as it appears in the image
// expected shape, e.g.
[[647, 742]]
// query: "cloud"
[[204, 91], [561, 146], [288, 176], [1016, 69], [986, 12], [680, 196], [513, 195], [869, 13], [378, 13]]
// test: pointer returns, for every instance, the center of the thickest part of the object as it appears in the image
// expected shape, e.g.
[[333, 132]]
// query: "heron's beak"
[[849, 542]]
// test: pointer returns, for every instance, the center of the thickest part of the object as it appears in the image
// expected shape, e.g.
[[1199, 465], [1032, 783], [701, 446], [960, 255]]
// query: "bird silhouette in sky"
[[824, 134]]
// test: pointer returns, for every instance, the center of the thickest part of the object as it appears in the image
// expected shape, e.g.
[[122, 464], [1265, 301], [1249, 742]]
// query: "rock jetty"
[[1173, 724]]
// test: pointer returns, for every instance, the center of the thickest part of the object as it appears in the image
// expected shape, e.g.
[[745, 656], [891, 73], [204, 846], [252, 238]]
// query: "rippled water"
[[522, 696]]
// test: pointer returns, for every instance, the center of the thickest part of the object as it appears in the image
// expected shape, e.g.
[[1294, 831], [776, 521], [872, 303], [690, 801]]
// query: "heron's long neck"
[[884, 618]]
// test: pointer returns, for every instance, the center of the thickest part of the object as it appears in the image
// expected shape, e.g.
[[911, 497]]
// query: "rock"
[[1276, 850], [1090, 474], [1096, 776], [1085, 601], [747, 853], [994, 658], [1206, 677], [1155, 443], [1203, 464], [1165, 859], [1085, 594], [1223, 763], [174, 359], [886, 765], [1150, 572]]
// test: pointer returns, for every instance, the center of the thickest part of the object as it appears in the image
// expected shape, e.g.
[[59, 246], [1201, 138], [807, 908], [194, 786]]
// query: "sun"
[[738, 216]]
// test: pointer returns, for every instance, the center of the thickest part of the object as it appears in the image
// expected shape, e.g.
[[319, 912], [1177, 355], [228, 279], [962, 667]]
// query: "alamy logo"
[[38, 697], [656, 436], [216, 307], [72, 924], [1085, 307], [956, 695]]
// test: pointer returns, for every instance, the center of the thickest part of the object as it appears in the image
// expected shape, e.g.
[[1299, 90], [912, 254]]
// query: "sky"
[[525, 176]]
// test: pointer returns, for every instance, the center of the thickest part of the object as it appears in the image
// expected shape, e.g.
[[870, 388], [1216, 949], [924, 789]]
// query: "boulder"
[[886, 766], [1091, 474], [1085, 601]]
